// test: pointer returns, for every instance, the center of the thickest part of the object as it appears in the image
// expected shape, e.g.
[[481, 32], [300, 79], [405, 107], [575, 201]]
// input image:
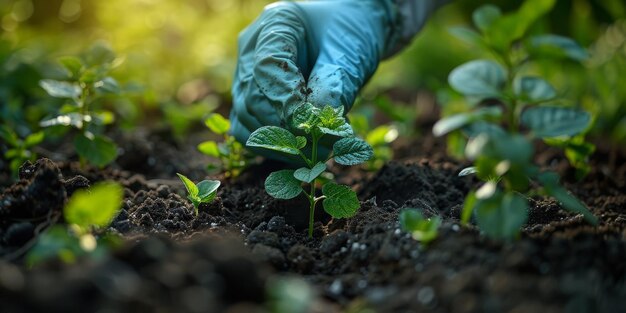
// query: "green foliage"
[[500, 93], [203, 192], [378, 138], [232, 155], [88, 212], [85, 84], [421, 229], [18, 150], [339, 201]]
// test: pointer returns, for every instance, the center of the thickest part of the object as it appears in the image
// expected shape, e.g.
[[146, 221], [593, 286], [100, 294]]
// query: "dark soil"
[[225, 259]]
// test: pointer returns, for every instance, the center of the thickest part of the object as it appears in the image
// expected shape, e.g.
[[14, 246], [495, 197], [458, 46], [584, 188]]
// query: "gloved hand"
[[320, 51]]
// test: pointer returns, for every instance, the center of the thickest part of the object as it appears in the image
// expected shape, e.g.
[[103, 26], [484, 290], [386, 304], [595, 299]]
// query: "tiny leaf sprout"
[[203, 192]]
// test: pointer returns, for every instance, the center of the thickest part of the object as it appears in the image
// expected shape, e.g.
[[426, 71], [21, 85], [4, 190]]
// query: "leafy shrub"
[[496, 94], [338, 201], [19, 150]]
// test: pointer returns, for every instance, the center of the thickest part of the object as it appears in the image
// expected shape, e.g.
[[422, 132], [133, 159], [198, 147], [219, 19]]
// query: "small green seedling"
[[87, 213], [85, 85], [338, 201], [19, 150], [204, 192], [233, 156], [421, 229], [497, 94]]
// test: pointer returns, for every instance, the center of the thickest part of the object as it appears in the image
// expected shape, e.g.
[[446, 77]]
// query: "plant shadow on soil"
[[223, 259]]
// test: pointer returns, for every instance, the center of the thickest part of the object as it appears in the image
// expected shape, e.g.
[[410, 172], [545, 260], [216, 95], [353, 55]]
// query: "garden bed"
[[228, 257]]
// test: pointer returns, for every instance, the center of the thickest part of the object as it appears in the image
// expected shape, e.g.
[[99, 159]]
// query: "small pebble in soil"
[[455, 228], [335, 288]]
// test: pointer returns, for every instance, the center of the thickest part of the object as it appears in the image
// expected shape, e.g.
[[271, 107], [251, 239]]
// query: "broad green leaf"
[[107, 85], [8, 135], [217, 123], [485, 16], [420, 228], [301, 141], [283, 185], [60, 89], [344, 130], [274, 138], [33, 139], [94, 207], [512, 27], [555, 121], [351, 151], [99, 151], [480, 78], [332, 122], [305, 117], [341, 201], [381, 135], [468, 171], [502, 216], [457, 121], [466, 34], [308, 175], [468, 207], [103, 117], [192, 189], [207, 189], [77, 120], [480, 127], [73, 65], [557, 46], [550, 182], [515, 148], [533, 89], [209, 148]]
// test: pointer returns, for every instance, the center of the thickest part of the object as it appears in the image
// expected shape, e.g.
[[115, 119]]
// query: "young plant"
[[85, 84], [87, 213], [338, 201], [421, 229], [203, 192], [233, 156], [503, 159], [18, 150], [379, 138]]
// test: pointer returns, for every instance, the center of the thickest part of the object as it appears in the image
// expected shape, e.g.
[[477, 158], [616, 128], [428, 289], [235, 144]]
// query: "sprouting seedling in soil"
[[18, 150], [86, 84], [421, 229], [233, 156], [203, 192], [87, 213], [503, 158], [339, 201]]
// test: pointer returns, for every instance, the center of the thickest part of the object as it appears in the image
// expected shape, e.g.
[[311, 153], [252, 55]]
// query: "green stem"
[[312, 193]]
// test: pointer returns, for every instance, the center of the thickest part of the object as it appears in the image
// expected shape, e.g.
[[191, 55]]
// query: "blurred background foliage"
[[178, 57]]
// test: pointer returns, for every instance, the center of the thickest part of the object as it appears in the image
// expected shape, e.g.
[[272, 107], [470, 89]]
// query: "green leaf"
[[308, 175], [60, 89], [421, 229], [8, 135], [301, 142], [533, 89], [107, 85], [33, 139], [283, 185], [209, 148], [468, 207], [485, 16], [351, 151], [207, 190], [502, 216], [381, 135], [103, 117], [550, 182], [344, 130], [217, 123], [457, 121], [481, 79], [557, 46], [73, 65], [94, 207], [480, 127], [305, 117], [55, 242], [99, 151], [77, 120], [274, 138], [515, 148], [192, 189], [332, 122], [512, 27], [466, 34], [555, 121], [341, 201], [468, 171]]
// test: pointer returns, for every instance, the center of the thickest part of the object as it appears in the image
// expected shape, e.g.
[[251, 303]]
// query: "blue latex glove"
[[321, 51]]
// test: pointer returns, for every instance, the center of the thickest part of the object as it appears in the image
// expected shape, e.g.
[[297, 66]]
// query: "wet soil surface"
[[225, 259]]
